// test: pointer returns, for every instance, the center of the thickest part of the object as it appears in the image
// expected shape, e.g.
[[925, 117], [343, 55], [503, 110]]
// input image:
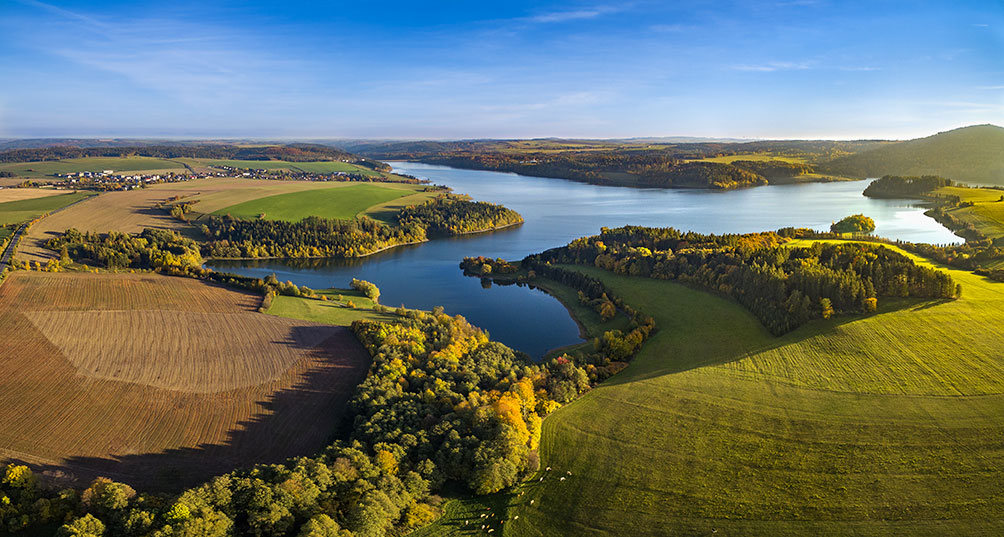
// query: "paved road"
[[5, 258]]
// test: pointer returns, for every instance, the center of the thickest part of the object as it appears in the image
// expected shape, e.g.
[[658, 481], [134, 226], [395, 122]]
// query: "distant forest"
[[292, 152]]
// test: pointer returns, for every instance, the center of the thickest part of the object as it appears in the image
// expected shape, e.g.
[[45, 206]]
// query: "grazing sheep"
[[531, 502], [562, 478], [515, 517]]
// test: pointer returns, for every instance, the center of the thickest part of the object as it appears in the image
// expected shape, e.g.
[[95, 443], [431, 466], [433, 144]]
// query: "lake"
[[557, 211]]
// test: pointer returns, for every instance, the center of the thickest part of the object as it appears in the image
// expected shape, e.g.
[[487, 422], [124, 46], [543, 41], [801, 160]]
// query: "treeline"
[[971, 255], [774, 169], [783, 287], [649, 168], [714, 175], [151, 249], [896, 186], [291, 152], [319, 237]]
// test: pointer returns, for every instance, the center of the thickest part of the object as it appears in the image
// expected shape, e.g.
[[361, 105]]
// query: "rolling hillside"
[[850, 426], [970, 155]]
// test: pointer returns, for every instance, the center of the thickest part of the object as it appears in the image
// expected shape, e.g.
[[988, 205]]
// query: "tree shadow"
[[298, 420]]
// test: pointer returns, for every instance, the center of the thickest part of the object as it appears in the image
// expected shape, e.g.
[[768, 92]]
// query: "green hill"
[[970, 154], [849, 426]]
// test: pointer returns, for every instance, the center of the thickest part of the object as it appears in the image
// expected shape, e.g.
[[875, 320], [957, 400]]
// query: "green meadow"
[[876, 424], [345, 202], [327, 166], [13, 212], [335, 310], [987, 211], [37, 170]]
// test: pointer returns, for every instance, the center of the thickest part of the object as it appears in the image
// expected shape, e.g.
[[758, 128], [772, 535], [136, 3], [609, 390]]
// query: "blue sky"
[[463, 69]]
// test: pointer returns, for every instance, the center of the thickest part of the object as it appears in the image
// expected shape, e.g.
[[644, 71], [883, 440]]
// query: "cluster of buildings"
[[293, 174], [120, 181]]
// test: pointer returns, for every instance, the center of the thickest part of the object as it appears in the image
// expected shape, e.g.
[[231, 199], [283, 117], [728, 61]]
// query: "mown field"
[[342, 308], [37, 170], [131, 211], [987, 212], [875, 425], [13, 212], [18, 194], [161, 382], [340, 203]]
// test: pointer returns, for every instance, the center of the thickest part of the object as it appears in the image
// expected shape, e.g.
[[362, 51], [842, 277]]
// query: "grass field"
[[987, 213], [338, 203], [334, 311], [161, 382], [13, 212], [91, 164], [876, 425], [309, 167]]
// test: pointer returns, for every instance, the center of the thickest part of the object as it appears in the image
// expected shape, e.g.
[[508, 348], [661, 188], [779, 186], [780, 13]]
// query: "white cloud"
[[770, 67], [579, 14]]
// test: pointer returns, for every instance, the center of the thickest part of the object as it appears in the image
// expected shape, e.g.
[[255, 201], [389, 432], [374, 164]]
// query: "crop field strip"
[[177, 414], [15, 212], [18, 194], [131, 211]]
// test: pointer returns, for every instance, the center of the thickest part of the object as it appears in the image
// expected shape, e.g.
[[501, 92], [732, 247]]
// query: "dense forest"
[[644, 168], [441, 404], [291, 152], [319, 237], [896, 186], [151, 249], [783, 287]]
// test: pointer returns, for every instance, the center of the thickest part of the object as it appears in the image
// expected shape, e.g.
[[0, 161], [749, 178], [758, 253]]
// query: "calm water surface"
[[557, 211]]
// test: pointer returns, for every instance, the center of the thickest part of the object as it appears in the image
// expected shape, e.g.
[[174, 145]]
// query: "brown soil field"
[[132, 210], [18, 194], [161, 382]]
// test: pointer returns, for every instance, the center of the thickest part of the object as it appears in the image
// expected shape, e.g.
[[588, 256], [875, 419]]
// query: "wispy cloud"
[[578, 14], [770, 67], [671, 28], [859, 68], [189, 61]]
